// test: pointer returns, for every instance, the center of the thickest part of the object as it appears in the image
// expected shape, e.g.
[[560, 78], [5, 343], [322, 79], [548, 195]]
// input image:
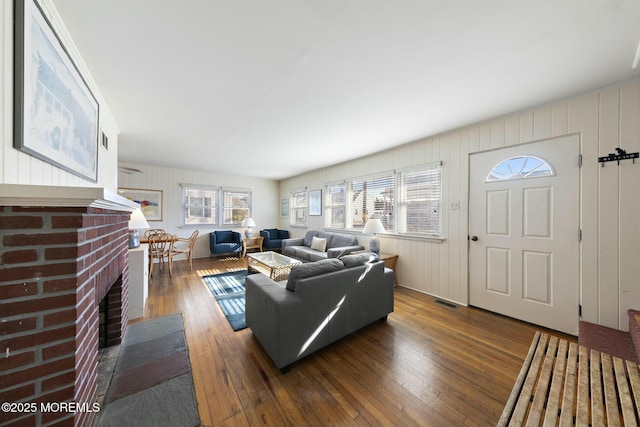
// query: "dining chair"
[[183, 246], [153, 231], [159, 248]]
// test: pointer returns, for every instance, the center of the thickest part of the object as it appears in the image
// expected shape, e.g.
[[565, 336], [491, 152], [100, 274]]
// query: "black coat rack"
[[620, 154]]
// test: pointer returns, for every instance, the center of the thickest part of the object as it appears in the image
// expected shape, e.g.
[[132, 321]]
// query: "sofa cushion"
[[312, 269], [224, 237], [359, 259], [282, 234], [308, 238], [273, 233], [340, 240], [316, 255], [318, 244]]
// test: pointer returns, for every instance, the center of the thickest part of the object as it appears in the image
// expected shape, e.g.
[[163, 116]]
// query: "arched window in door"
[[520, 167]]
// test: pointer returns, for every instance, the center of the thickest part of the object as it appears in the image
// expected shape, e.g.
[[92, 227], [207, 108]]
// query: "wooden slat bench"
[[563, 384]]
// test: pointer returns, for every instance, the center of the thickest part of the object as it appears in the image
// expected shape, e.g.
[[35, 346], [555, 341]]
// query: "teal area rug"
[[228, 290]]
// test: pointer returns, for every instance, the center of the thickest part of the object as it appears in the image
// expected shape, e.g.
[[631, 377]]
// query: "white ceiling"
[[276, 88]]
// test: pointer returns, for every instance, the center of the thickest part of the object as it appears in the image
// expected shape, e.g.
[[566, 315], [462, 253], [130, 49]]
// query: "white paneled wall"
[[610, 197], [264, 192], [20, 168]]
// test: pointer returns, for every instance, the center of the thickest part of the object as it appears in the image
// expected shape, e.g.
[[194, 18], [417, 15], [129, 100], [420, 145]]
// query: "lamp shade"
[[373, 226], [137, 220], [248, 222]]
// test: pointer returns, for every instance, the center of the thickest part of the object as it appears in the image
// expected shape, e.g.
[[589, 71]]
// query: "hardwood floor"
[[428, 364]]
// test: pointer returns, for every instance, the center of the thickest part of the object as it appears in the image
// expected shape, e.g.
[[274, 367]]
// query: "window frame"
[[331, 206], [294, 209], [400, 205], [379, 205], [224, 207], [404, 205], [218, 207]]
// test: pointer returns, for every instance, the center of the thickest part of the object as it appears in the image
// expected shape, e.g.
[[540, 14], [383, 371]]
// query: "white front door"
[[524, 232]]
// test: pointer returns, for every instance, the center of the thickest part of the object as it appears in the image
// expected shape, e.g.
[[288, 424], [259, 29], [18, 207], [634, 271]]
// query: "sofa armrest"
[[272, 314], [292, 242], [344, 250]]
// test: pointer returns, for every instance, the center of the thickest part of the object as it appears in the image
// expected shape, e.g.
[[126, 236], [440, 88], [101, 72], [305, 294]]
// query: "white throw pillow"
[[318, 244]]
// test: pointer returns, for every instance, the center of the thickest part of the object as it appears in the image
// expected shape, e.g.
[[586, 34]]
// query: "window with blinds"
[[236, 206], [335, 204], [298, 208], [420, 201], [373, 197]]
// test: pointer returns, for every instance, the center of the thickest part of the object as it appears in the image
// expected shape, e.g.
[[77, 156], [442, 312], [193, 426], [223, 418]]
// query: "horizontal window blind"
[[336, 205], [373, 197], [420, 206]]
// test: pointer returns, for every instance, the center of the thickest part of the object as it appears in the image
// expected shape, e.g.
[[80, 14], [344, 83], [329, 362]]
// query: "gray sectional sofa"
[[318, 245], [320, 303]]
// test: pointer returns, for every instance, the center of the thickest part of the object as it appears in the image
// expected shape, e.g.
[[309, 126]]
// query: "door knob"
[[474, 238]]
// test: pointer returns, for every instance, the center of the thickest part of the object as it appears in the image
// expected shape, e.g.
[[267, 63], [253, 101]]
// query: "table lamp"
[[136, 222], [248, 222], [373, 226]]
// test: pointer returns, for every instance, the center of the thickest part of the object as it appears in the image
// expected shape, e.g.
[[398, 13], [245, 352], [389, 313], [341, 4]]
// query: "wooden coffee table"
[[272, 264]]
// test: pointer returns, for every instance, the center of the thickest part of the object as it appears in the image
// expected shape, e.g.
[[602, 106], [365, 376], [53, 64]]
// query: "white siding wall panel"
[[629, 192], [609, 211], [559, 119], [583, 119], [542, 124], [610, 200]]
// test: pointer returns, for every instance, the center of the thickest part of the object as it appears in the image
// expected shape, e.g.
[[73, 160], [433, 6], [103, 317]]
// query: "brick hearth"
[[56, 264]]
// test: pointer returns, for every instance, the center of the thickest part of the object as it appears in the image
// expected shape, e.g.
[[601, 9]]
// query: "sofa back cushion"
[[273, 232], [311, 269], [224, 236], [308, 238], [359, 259], [282, 234], [340, 240]]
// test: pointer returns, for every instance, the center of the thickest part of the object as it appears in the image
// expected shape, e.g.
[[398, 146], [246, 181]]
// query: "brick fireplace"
[[57, 262]]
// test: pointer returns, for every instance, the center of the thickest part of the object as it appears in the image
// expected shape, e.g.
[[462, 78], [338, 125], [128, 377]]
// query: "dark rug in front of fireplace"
[[152, 384]]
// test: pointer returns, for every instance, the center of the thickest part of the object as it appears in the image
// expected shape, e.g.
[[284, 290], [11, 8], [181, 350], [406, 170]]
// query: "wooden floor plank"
[[609, 390], [597, 393], [567, 412], [626, 403], [426, 365], [557, 385]]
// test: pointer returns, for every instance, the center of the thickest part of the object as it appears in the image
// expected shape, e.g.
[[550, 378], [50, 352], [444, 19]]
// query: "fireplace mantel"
[[55, 196]]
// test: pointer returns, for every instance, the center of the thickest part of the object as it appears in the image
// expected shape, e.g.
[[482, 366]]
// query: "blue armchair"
[[273, 238], [225, 242]]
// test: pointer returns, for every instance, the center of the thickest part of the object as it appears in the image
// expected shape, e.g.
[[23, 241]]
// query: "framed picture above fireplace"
[[56, 114]]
